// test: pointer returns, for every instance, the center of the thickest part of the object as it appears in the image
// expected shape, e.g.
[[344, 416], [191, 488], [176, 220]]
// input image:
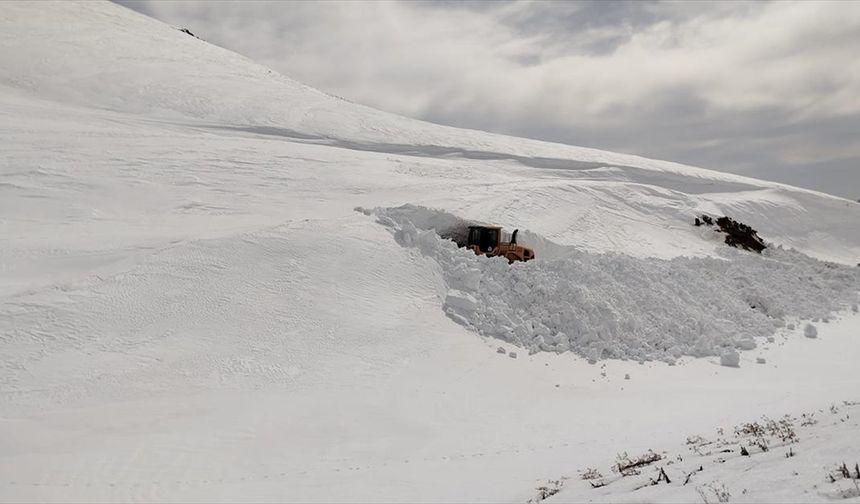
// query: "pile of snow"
[[615, 306]]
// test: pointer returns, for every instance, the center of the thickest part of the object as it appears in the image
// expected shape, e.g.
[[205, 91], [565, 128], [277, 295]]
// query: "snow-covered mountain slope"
[[107, 57], [192, 309]]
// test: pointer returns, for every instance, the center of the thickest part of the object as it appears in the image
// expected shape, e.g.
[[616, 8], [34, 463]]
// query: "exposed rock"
[[738, 235], [187, 31]]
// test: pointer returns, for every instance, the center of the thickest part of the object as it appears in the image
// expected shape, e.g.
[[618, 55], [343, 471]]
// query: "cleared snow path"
[[617, 306]]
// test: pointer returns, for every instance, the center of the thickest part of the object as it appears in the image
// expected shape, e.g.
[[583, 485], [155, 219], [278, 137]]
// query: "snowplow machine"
[[487, 240]]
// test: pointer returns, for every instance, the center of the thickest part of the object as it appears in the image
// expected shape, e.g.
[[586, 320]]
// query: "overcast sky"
[[770, 90]]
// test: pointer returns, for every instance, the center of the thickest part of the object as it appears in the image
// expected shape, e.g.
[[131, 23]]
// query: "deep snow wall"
[[617, 306]]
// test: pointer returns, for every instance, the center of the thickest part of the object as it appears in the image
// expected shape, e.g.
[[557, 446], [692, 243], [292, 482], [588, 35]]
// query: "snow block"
[[730, 358], [746, 344], [463, 321], [461, 301]]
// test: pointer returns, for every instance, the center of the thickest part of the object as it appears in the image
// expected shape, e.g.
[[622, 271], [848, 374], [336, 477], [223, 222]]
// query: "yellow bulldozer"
[[487, 240]]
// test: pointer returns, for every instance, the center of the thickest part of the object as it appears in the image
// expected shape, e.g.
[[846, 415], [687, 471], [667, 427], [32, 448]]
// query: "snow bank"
[[617, 306]]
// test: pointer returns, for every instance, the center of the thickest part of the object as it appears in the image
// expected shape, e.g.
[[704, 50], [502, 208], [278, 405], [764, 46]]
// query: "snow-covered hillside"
[[191, 308], [109, 58]]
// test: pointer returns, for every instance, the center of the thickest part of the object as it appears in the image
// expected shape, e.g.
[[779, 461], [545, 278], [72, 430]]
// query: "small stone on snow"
[[810, 331]]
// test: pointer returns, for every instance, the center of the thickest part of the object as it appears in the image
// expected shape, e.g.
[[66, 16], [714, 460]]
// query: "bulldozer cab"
[[489, 241], [485, 238]]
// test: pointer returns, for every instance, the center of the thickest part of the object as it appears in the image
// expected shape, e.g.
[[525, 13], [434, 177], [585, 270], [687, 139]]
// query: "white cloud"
[[639, 77]]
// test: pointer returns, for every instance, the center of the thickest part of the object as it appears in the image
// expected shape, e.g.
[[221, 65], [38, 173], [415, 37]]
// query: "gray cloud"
[[764, 89]]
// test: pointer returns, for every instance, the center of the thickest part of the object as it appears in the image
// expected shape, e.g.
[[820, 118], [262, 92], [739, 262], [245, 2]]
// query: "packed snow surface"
[[191, 309], [617, 306]]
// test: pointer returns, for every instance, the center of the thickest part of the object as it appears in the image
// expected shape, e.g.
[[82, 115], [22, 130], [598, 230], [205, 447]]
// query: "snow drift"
[[616, 306]]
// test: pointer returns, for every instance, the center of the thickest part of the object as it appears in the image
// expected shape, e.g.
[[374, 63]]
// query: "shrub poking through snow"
[[759, 444], [591, 474], [714, 492], [546, 491], [807, 419], [755, 433], [844, 472], [763, 434], [627, 466]]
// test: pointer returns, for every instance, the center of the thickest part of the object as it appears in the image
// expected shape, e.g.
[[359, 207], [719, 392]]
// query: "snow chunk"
[[730, 358], [745, 344], [462, 302]]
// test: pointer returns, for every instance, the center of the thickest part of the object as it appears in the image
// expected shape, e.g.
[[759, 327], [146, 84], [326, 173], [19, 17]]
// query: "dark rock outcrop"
[[738, 235], [187, 31]]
